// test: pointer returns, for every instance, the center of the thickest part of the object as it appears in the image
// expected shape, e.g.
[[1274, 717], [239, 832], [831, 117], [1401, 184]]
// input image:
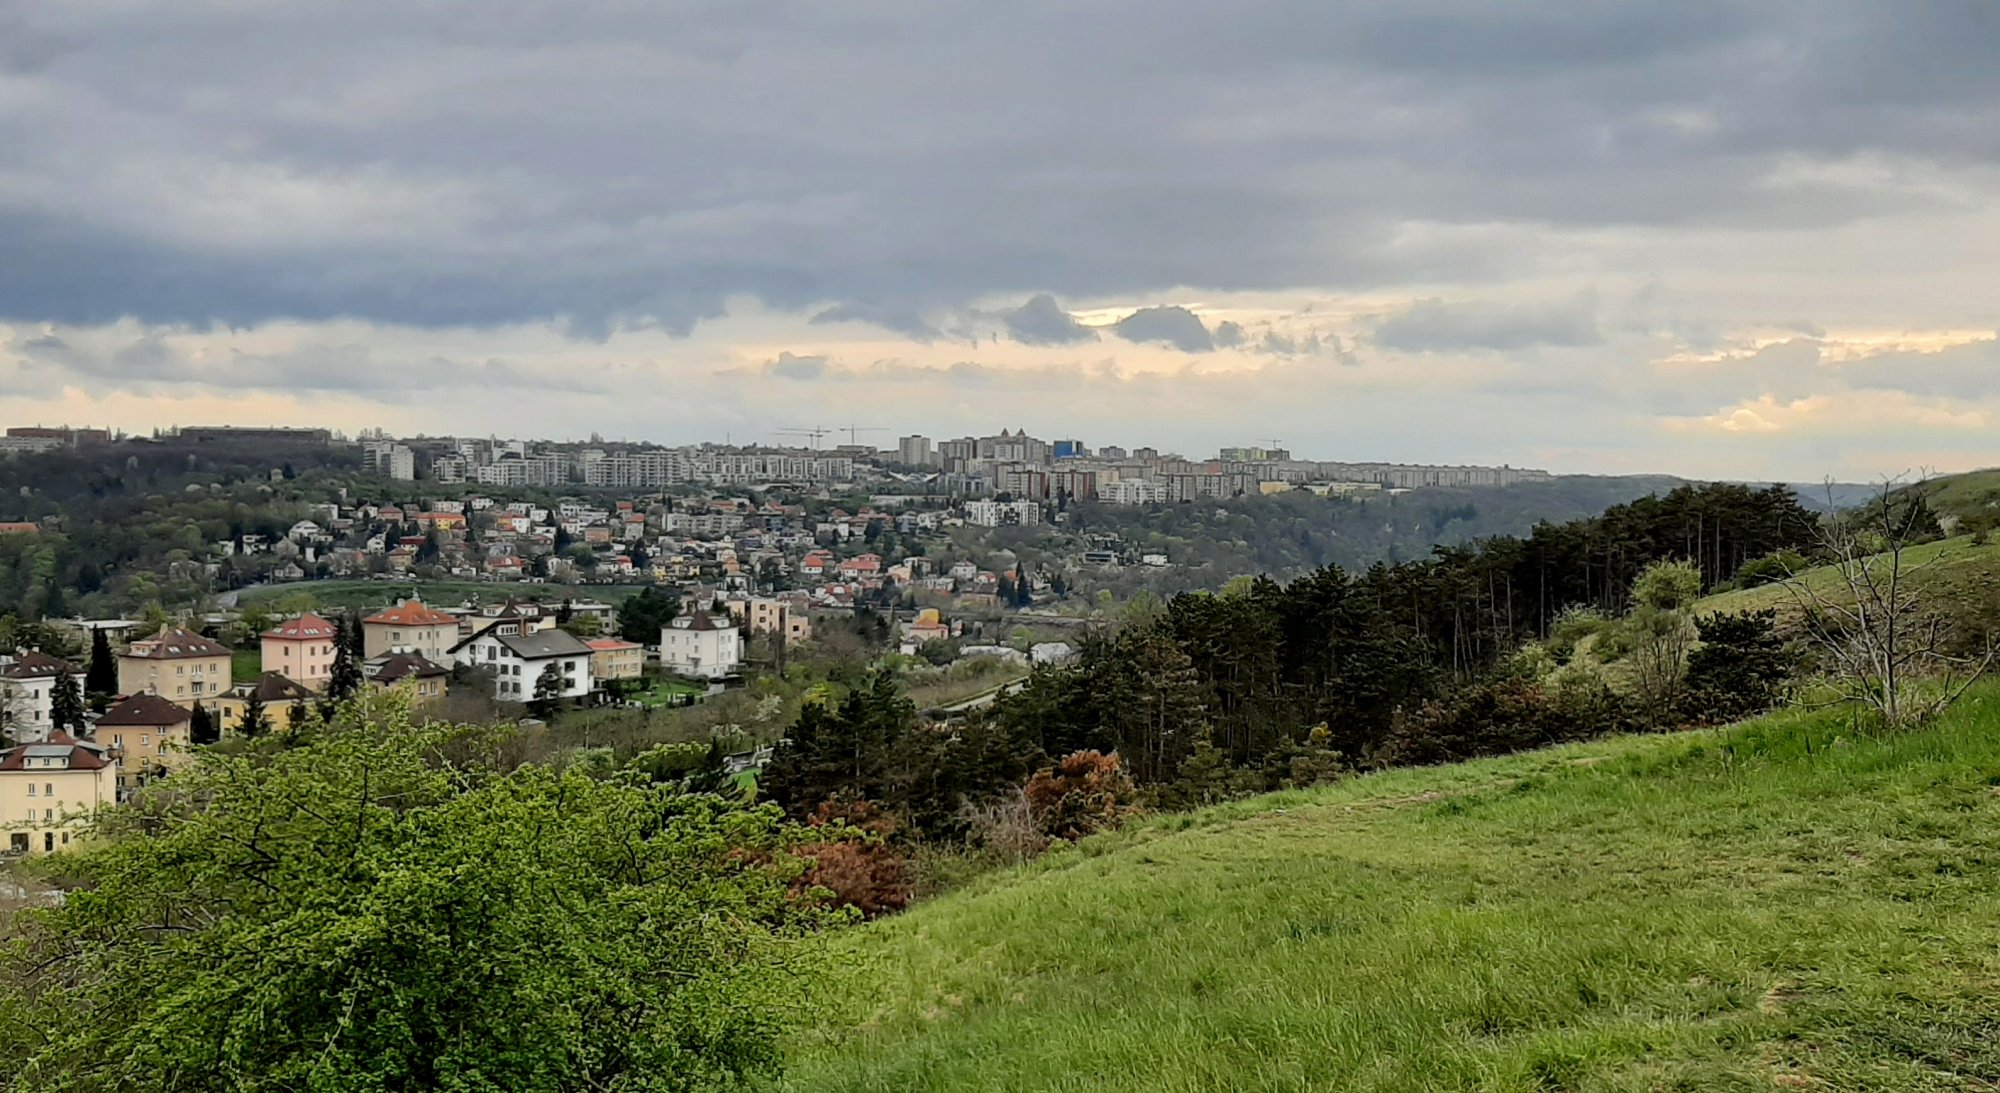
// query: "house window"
[[48, 789], [31, 789], [49, 841], [145, 740], [48, 815], [117, 739]]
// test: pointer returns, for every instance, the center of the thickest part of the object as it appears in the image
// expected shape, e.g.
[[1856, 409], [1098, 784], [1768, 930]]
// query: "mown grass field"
[[342, 595], [1783, 904]]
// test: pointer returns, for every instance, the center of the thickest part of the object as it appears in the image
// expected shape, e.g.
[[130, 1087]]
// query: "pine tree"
[[254, 723], [66, 704], [344, 682], [102, 677], [548, 690], [203, 730]]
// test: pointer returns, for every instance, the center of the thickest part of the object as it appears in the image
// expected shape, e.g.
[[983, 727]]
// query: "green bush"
[[370, 909]]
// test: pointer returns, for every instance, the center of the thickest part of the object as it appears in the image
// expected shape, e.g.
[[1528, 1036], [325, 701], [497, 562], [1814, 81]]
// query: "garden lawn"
[[1782, 904]]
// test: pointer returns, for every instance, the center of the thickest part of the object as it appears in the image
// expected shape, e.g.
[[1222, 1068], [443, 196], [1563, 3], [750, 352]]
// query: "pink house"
[[301, 650]]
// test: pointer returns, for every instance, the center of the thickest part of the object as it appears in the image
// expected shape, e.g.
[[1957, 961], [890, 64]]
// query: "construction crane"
[[815, 434], [851, 430]]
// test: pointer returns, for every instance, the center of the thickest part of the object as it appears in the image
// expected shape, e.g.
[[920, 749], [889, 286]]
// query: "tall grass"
[[1786, 902]]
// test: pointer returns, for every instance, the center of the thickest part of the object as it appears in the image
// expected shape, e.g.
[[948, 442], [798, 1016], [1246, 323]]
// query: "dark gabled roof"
[[548, 643], [699, 620], [273, 687], [395, 667], [145, 709], [35, 664]]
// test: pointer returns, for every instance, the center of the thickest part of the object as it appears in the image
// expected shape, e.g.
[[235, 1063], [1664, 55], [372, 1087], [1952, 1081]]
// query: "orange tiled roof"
[[410, 613]]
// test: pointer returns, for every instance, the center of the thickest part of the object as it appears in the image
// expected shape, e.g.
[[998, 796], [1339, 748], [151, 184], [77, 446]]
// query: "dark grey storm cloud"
[[607, 165], [1042, 321], [1169, 325], [150, 361], [1442, 326], [903, 320]]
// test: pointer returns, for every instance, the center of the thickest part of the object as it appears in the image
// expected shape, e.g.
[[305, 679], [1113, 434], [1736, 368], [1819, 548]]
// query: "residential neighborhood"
[[748, 557]]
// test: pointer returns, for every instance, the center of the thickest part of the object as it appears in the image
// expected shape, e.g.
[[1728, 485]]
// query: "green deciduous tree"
[[365, 912]]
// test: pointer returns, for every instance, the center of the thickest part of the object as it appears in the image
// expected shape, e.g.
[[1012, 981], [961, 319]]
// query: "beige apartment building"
[[774, 615], [177, 664], [611, 658], [409, 627], [49, 789], [150, 735]]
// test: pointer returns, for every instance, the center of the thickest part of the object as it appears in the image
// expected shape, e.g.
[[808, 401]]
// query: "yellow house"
[[179, 665], [49, 789], [611, 658], [279, 695], [149, 735], [425, 678]]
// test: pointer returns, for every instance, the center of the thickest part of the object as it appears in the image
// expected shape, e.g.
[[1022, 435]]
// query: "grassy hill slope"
[[1779, 904], [1966, 495], [1956, 572]]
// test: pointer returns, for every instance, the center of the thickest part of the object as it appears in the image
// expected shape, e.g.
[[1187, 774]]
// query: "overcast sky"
[[1752, 239]]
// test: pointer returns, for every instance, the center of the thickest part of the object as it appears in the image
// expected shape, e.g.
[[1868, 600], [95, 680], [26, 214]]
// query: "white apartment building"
[[386, 457], [1133, 491], [26, 687], [701, 646], [993, 514], [517, 662]]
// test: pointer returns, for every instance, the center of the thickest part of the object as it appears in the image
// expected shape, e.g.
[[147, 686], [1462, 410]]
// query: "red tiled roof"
[[307, 627], [82, 756], [176, 643], [410, 613], [611, 645]]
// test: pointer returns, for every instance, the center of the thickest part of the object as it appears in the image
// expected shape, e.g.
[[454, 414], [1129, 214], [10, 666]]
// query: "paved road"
[[980, 700]]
